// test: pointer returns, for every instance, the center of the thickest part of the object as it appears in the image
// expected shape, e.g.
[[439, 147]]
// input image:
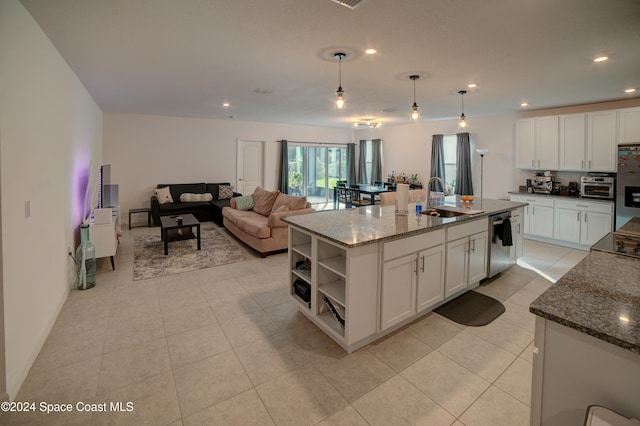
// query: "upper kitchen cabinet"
[[601, 141], [629, 130], [537, 143], [588, 141]]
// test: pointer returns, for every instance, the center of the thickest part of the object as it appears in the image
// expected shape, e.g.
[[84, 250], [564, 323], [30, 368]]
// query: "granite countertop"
[[371, 224], [563, 197], [631, 228], [600, 296]]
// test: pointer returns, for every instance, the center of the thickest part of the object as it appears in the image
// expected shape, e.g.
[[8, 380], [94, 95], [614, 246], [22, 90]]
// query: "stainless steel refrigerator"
[[628, 183]]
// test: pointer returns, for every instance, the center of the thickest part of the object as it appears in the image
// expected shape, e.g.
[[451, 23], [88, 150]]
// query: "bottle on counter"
[[418, 206]]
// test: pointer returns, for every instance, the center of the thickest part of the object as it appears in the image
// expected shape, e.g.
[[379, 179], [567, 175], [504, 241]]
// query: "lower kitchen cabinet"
[[582, 222], [517, 232], [577, 222], [466, 257], [412, 276]]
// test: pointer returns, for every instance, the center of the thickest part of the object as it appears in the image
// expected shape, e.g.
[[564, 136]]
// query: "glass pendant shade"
[[340, 103], [463, 120], [415, 114]]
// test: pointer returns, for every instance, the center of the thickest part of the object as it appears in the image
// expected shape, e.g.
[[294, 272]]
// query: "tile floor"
[[226, 345]]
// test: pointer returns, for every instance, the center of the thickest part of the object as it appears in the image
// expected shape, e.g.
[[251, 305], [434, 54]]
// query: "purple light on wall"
[[80, 178]]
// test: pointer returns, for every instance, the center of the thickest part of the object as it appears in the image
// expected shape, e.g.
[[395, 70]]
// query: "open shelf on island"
[[337, 264], [305, 275], [332, 323], [303, 249], [335, 291]]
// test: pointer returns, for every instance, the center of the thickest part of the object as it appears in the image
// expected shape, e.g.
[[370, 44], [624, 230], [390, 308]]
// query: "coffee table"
[[171, 231]]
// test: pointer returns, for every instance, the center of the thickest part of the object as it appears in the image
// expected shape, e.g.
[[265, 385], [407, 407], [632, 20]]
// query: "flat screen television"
[[107, 192]]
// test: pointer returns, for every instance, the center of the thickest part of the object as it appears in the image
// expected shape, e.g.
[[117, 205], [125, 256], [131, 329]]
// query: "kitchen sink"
[[451, 212]]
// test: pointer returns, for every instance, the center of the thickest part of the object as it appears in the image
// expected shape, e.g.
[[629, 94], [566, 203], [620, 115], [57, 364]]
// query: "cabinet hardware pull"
[[473, 249], [578, 216], [589, 163], [582, 164], [585, 217], [422, 264], [538, 163], [415, 265], [581, 205], [533, 210]]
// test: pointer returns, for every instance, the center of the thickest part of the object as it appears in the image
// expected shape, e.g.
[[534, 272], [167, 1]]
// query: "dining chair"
[[343, 196], [355, 197]]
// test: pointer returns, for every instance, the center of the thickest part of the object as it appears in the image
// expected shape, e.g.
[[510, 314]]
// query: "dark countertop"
[[563, 197], [371, 224], [600, 296]]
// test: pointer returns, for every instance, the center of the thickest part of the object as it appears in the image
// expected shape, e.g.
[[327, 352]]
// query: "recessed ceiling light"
[[601, 59], [524, 104], [226, 104], [630, 90], [472, 85], [370, 51]]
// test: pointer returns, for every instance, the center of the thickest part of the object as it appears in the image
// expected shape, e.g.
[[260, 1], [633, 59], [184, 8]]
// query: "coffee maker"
[[543, 183]]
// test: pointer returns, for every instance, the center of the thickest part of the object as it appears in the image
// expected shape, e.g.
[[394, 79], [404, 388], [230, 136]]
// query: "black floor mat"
[[472, 308]]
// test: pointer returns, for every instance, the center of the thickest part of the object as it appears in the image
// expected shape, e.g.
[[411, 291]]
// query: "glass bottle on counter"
[[86, 260]]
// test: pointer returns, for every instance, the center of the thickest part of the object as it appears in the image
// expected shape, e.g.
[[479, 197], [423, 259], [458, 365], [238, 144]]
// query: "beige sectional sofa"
[[261, 227]]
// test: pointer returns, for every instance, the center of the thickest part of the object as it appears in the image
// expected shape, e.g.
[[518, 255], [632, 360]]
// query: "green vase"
[[86, 260]]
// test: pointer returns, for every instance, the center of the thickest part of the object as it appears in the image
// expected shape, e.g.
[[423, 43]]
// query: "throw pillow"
[[163, 195], [189, 197], [225, 192], [292, 202], [281, 209], [244, 203], [263, 200]]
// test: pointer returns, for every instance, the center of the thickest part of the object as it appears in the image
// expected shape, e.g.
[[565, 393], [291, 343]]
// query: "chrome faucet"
[[444, 189]]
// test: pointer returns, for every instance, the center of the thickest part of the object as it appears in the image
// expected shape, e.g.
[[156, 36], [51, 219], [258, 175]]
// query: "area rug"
[[218, 248], [472, 309]]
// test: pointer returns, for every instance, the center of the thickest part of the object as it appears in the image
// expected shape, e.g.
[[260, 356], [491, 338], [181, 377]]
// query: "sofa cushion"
[[263, 200], [293, 203], [189, 197], [184, 207], [163, 195], [225, 192], [249, 222], [178, 189], [244, 203], [213, 188]]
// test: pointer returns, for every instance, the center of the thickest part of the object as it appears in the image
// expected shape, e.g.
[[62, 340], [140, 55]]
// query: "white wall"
[[50, 129], [407, 148], [146, 150]]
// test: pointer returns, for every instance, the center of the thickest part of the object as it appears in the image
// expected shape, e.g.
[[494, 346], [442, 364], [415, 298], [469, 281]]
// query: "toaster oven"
[[597, 187]]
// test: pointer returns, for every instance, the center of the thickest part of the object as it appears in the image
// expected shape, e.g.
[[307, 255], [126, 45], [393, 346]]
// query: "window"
[[450, 145], [369, 162], [314, 170]]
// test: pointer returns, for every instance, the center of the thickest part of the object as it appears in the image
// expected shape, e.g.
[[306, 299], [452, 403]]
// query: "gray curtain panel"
[[283, 182], [362, 174], [464, 181], [376, 159], [351, 164], [437, 161]]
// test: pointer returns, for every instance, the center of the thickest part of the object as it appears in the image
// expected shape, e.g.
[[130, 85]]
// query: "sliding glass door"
[[314, 170]]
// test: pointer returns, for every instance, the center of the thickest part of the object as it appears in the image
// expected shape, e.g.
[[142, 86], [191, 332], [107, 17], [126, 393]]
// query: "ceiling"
[[273, 60]]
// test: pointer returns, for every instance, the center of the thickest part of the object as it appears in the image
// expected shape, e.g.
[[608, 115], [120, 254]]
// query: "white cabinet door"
[[525, 143], [547, 142], [431, 266], [457, 266], [477, 257], [573, 136], [541, 223], [517, 230], [398, 290], [629, 120], [566, 224], [594, 227], [601, 141]]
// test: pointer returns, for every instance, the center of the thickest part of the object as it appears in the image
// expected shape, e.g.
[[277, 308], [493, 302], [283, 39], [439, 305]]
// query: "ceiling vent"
[[351, 4]]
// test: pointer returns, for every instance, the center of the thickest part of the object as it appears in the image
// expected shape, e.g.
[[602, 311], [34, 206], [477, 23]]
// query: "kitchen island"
[[362, 273], [587, 341]]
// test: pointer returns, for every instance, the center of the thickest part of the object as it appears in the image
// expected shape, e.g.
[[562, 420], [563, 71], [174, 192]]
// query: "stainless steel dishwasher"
[[500, 242]]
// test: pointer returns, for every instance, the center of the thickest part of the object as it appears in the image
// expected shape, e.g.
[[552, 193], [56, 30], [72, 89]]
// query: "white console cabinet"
[[104, 238]]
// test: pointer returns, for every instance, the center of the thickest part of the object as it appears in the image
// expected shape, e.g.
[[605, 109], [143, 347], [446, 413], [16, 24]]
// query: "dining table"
[[371, 190]]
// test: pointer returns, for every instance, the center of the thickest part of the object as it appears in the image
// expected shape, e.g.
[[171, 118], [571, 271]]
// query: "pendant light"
[[340, 101], [415, 114], [462, 123]]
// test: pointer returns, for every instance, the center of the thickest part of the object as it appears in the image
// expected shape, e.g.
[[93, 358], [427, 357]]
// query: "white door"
[[547, 135], [431, 266], [456, 266], [525, 143], [566, 223], [478, 245], [595, 226], [250, 155]]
